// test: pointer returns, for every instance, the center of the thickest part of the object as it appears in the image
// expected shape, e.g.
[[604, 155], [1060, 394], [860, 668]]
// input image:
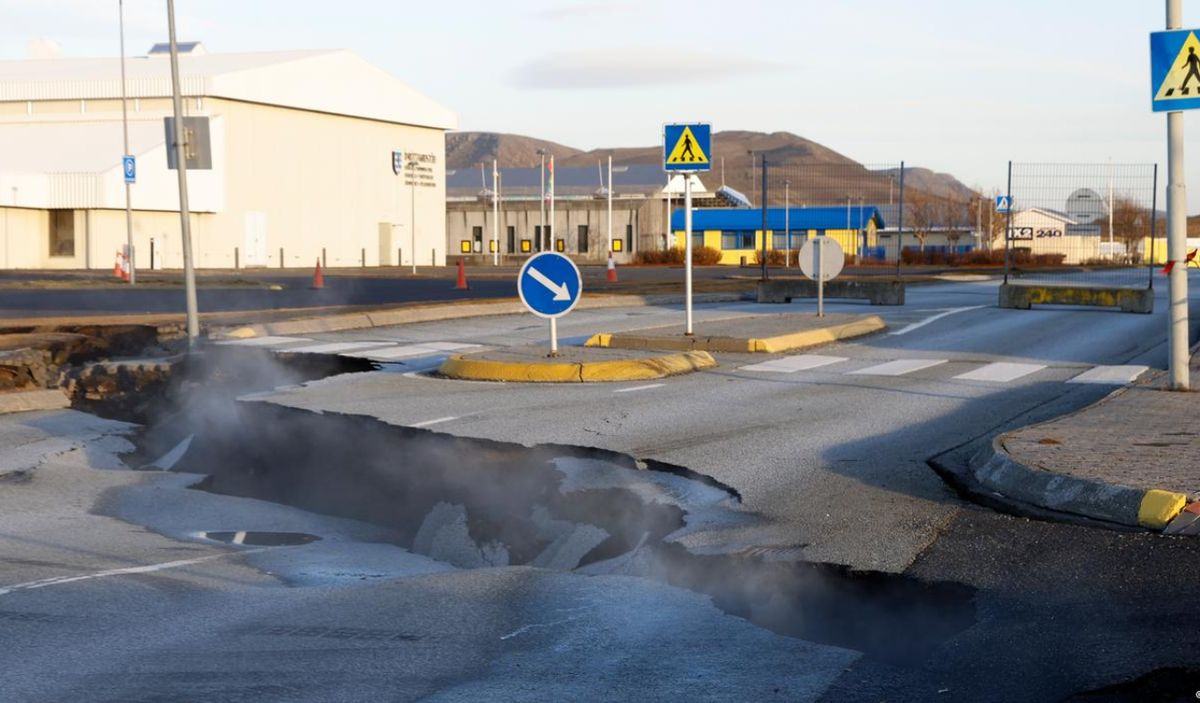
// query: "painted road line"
[[148, 569], [933, 318], [438, 421], [899, 367], [410, 350], [792, 364], [262, 341], [1110, 375], [336, 347], [1000, 372], [639, 388]]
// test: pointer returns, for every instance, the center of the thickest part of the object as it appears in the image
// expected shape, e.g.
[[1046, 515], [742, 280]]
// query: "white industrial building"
[[302, 163]]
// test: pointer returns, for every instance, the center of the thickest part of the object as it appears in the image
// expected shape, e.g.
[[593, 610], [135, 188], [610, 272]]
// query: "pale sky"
[[958, 86]]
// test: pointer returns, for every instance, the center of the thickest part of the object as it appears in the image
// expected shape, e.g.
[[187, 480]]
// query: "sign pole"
[[820, 279], [125, 128], [1177, 283], [189, 272], [495, 214], [687, 256]]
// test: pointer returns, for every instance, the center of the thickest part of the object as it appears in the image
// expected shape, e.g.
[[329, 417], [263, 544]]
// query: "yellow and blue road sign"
[[1175, 70], [687, 147]]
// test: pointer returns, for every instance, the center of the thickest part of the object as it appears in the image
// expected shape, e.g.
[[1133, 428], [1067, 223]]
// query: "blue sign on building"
[[549, 284], [1175, 70], [687, 147], [129, 166]]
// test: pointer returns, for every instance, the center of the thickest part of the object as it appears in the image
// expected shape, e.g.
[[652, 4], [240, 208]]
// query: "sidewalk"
[[1132, 459]]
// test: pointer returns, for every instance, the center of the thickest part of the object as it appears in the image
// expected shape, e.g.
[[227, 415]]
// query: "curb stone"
[[766, 345], [465, 368]]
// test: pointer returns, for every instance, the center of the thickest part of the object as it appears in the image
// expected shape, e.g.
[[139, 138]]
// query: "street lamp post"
[[542, 202], [185, 228], [412, 234], [787, 224]]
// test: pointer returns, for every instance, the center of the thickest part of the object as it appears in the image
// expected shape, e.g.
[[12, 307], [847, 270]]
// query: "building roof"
[[332, 81], [819, 218]]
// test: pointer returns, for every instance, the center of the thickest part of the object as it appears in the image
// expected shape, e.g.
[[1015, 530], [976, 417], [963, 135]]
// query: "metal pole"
[[900, 223], [495, 213], [787, 225], [550, 235], [125, 129], [1111, 252], [820, 277], [764, 218], [610, 197], [1008, 225], [541, 203], [412, 215], [554, 336], [1177, 283], [1153, 228], [687, 249], [189, 273]]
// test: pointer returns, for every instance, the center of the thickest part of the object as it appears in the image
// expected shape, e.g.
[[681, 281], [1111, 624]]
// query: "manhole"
[[261, 539]]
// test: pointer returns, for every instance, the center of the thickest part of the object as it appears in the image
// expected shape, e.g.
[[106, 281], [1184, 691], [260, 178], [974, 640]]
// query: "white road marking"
[[933, 318], [1110, 375], [337, 347], [150, 568], [639, 388], [792, 364], [899, 367], [1000, 372], [438, 421], [262, 341], [411, 350]]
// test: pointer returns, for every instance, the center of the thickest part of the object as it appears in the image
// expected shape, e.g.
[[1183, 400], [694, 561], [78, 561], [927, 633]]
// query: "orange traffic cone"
[[612, 269], [119, 269], [318, 277], [461, 284]]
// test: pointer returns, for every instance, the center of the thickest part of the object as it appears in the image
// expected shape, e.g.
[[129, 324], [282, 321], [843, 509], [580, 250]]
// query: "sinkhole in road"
[[478, 503]]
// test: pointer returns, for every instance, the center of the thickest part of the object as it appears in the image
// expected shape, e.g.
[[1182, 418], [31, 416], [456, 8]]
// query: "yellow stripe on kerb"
[[1159, 508]]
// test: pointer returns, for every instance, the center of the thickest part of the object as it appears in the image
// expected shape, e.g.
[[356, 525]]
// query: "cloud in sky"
[[633, 67]]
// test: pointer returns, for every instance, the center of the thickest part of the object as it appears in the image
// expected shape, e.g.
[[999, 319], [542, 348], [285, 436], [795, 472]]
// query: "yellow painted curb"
[[824, 335], [1159, 508], [240, 333], [768, 345], [464, 368]]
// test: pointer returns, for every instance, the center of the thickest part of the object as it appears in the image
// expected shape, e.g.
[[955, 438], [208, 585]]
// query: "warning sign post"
[[687, 149]]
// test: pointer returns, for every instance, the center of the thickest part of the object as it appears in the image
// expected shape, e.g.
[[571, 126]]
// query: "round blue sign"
[[549, 284]]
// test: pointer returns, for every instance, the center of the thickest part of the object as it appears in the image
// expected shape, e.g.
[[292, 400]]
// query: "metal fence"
[[1083, 224]]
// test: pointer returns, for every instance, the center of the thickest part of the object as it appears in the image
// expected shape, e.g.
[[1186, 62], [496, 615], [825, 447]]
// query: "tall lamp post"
[[125, 128], [787, 224], [412, 233], [542, 203], [185, 228]]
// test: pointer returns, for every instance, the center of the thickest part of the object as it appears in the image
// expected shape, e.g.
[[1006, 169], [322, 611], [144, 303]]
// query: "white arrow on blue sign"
[[129, 166], [549, 284], [1003, 204]]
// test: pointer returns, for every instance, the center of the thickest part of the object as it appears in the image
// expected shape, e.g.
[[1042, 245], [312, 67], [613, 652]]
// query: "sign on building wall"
[[417, 169]]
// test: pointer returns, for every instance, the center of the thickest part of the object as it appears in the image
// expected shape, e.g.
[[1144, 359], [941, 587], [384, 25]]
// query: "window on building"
[[629, 237], [62, 233], [583, 239], [780, 240], [477, 237], [741, 239], [537, 237], [512, 239], [697, 239]]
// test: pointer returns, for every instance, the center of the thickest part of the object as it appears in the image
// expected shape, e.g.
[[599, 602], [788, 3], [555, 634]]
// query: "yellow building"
[[302, 149], [737, 232]]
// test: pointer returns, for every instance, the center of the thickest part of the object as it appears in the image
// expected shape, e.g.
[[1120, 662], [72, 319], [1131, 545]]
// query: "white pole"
[[495, 214], [185, 228], [610, 196], [687, 248], [1177, 289], [542, 205], [125, 128], [412, 206], [1111, 252], [787, 225], [820, 278], [550, 244], [667, 244], [554, 336]]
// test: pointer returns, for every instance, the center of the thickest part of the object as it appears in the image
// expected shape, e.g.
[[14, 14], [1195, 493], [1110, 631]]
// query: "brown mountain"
[[814, 174]]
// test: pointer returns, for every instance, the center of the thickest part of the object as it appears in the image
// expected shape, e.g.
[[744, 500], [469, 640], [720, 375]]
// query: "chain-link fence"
[[1083, 224]]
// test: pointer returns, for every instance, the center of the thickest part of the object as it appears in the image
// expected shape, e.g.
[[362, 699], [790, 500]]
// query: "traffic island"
[[1129, 461], [768, 334], [532, 364], [782, 290]]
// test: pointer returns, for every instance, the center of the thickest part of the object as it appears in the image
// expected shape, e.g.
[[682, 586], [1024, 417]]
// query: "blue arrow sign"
[[1003, 204], [549, 284], [129, 166]]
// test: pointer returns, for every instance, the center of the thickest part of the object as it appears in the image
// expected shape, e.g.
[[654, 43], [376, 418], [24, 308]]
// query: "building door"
[[256, 239]]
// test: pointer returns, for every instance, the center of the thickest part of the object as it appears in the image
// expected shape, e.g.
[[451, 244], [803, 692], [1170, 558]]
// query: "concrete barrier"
[[878, 292], [1023, 297]]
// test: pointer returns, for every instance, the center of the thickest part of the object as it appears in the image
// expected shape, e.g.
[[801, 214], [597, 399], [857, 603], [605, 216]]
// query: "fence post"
[[363, 257], [323, 260], [900, 225], [764, 218], [1153, 227], [280, 257], [235, 256], [433, 257], [1008, 225]]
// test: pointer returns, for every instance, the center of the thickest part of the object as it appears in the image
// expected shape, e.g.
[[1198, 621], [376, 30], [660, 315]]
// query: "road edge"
[[462, 367]]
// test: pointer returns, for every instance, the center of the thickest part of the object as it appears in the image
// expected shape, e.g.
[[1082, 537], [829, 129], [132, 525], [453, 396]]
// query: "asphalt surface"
[[830, 463]]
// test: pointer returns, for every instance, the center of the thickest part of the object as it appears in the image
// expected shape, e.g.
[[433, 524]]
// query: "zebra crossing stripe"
[[1110, 375], [792, 364], [1000, 372], [898, 367]]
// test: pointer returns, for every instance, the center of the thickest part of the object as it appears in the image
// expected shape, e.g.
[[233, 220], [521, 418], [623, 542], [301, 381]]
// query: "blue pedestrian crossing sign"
[[1003, 204], [1175, 70], [687, 147], [129, 166], [549, 284]]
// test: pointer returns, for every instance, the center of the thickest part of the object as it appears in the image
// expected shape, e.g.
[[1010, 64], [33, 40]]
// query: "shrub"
[[662, 257], [777, 257], [703, 256]]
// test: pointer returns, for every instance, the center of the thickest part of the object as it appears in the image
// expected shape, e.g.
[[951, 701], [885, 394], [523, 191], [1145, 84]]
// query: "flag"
[[551, 191]]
